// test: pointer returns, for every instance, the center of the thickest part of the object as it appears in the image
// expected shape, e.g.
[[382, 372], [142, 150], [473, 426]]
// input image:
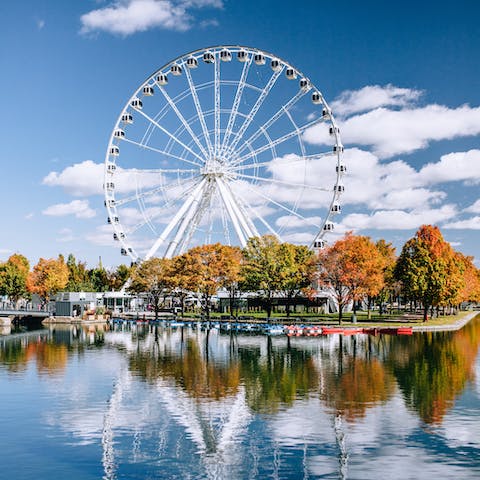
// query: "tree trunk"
[[289, 299], [425, 312], [369, 305]]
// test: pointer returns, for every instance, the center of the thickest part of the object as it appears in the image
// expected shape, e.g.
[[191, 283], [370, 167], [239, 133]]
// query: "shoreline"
[[453, 326]]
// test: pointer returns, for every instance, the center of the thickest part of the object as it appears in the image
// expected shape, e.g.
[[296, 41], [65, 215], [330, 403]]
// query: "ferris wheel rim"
[[216, 49]]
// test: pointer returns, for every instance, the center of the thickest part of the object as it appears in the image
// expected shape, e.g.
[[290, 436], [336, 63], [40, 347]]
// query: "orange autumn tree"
[[48, 277], [352, 268], [208, 268], [470, 286]]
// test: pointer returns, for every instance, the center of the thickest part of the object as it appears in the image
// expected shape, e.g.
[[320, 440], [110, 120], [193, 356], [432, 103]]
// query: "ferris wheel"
[[222, 144]]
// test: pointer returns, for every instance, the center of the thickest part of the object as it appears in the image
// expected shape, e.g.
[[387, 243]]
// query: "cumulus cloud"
[[468, 224], [65, 235], [388, 119], [86, 178], [125, 17], [474, 208], [398, 219], [373, 96], [79, 208], [455, 166]]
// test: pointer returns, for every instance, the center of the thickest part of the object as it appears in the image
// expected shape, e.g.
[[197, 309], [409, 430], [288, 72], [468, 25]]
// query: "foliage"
[[428, 269], [152, 277], [208, 268], [78, 278], [353, 267], [271, 268], [48, 277], [118, 277], [13, 277]]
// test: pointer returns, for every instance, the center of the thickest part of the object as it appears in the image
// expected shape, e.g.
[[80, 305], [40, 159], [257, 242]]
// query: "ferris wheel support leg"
[[239, 215], [175, 220], [231, 212], [189, 215]]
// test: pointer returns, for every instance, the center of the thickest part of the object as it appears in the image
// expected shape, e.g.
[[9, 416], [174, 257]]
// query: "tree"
[[427, 269], [353, 268], [13, 277], [297, 272], [99, 279], [48, 277], [208, 268], [387, 252], [470, 284], [78, 278], [118, 277], [331, 276], [152, 277], [261, 268]]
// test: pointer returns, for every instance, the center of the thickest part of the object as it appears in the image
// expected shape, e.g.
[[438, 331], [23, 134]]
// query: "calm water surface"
[[143, 403]]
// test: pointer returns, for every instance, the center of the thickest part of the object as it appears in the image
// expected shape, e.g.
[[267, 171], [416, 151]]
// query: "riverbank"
[[415, 322]]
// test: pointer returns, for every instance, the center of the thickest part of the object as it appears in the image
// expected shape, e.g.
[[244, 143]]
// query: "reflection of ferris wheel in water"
[[222, 144]]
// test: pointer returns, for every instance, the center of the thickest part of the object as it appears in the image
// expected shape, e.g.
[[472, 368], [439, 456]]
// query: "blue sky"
[[403, 82]]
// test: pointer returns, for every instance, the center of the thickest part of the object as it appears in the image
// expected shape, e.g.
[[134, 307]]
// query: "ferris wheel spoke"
[[263, 221], [282, 182], [198, 108], [269, 162], [285, 108], [296, 132], [217, 104], [256, 107], [283, 207], [184, 122], [236, 103], [153, 191], [172, 136], [162, 152]]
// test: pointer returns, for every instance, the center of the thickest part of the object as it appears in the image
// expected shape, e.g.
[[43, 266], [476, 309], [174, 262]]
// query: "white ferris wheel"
[[222, 144]]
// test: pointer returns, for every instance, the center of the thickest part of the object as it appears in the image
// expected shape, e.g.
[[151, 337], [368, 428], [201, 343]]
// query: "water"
[[143, 403]]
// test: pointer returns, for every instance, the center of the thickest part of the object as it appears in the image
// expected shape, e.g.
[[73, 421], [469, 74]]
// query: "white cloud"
[[40, 24], [29, 216], [79, 208], [125, 17], [373, 96], [398, 219], [455, 166], [391, 131], [475, 208], [468, 224], [292, 221], [65, 235], [86, 178]]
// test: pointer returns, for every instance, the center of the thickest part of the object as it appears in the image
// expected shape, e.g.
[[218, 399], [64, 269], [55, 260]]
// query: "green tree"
[[119, 277], [261, 269], [426, 268], [78, 278], [297, 272], [13, 278], [99, 279]]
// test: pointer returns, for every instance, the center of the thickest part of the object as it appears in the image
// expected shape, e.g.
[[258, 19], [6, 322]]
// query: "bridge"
[[22, 313]]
